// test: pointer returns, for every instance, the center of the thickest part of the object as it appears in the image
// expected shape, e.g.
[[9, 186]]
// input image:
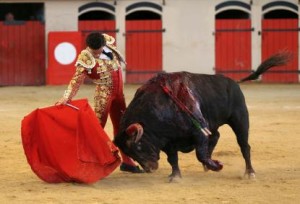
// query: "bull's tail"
[[278, 59]]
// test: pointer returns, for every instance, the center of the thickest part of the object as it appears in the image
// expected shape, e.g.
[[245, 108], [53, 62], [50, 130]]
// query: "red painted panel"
[[57, 72], [233, 47], [22, 48], [143, 49], [4, 55], [278, 35], [105, 26]]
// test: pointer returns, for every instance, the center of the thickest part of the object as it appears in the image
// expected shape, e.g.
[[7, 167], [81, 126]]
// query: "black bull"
[[181, 112]]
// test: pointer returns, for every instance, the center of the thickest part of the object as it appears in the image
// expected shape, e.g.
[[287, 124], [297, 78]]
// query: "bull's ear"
[[135, 131]]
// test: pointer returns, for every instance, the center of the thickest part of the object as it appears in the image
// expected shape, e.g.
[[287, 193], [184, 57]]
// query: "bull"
[[183, 111]]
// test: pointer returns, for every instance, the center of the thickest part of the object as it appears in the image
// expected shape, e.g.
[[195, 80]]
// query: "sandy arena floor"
[[274, 138]]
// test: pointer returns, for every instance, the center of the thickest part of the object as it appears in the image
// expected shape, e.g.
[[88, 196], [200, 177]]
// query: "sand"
[[274, 138]]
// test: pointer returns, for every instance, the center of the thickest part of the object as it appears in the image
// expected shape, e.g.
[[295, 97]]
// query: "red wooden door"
[[278, 35], [143, 49], [104, 26], [22, 50], [233, 47]]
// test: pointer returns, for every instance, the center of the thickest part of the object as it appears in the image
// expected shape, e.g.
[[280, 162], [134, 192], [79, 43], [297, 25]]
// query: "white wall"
[[61, 15], [188, 42]]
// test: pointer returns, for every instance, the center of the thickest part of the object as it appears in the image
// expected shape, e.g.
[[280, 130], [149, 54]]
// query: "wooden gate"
[[104, 26], [278, 35], [143, 49], [22, 48], [233, 47]]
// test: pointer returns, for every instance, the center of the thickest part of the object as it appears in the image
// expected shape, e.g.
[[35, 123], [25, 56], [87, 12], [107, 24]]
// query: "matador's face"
[[96, 53]]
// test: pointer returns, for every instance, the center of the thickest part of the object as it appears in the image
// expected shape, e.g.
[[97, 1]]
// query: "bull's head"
[[137, 144]]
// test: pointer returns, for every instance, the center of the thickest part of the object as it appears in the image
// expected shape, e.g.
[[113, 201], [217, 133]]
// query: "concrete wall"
[[188, 41]]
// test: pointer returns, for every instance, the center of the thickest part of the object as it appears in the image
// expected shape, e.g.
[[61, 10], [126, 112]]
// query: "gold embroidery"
[[105, 69], [104, 75], [109, 39], [86, 60], [102, 93], [101, 69], [75, 83]]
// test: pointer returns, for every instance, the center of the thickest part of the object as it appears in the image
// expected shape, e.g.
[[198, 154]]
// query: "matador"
[[101, 62]]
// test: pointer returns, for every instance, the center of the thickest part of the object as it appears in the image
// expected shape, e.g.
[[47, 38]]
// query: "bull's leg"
[[201, 147], [173, 161], [212, 142], [240, 126]]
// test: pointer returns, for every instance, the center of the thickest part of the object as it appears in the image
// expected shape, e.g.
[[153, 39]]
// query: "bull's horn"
[[135, 129]]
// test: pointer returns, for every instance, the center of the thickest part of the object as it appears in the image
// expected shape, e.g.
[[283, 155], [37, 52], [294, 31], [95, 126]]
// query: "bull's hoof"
[[250, 175], [174, 177], [214, 165], [130, 168]]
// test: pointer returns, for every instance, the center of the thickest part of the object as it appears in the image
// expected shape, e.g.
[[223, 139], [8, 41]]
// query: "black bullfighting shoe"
[[130, 168]]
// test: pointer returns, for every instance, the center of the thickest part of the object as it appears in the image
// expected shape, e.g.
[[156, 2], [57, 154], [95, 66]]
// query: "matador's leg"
[[116, 110], [102, 100]]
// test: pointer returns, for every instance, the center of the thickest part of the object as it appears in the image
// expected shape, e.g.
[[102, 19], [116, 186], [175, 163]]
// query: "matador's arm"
[[73, 87], [84, 64]]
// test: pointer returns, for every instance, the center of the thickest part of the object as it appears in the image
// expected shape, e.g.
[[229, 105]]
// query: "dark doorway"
[[23, 11]]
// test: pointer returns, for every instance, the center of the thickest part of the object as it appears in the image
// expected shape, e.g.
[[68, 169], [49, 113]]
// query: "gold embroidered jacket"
[[97, 69]]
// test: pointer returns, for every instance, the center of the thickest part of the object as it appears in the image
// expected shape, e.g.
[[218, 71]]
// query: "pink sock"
[[127, 160]]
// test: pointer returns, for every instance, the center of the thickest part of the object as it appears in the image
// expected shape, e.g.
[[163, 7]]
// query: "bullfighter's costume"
[[106, 73]]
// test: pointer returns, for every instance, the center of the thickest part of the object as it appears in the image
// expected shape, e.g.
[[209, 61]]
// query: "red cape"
[[63, 144]]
